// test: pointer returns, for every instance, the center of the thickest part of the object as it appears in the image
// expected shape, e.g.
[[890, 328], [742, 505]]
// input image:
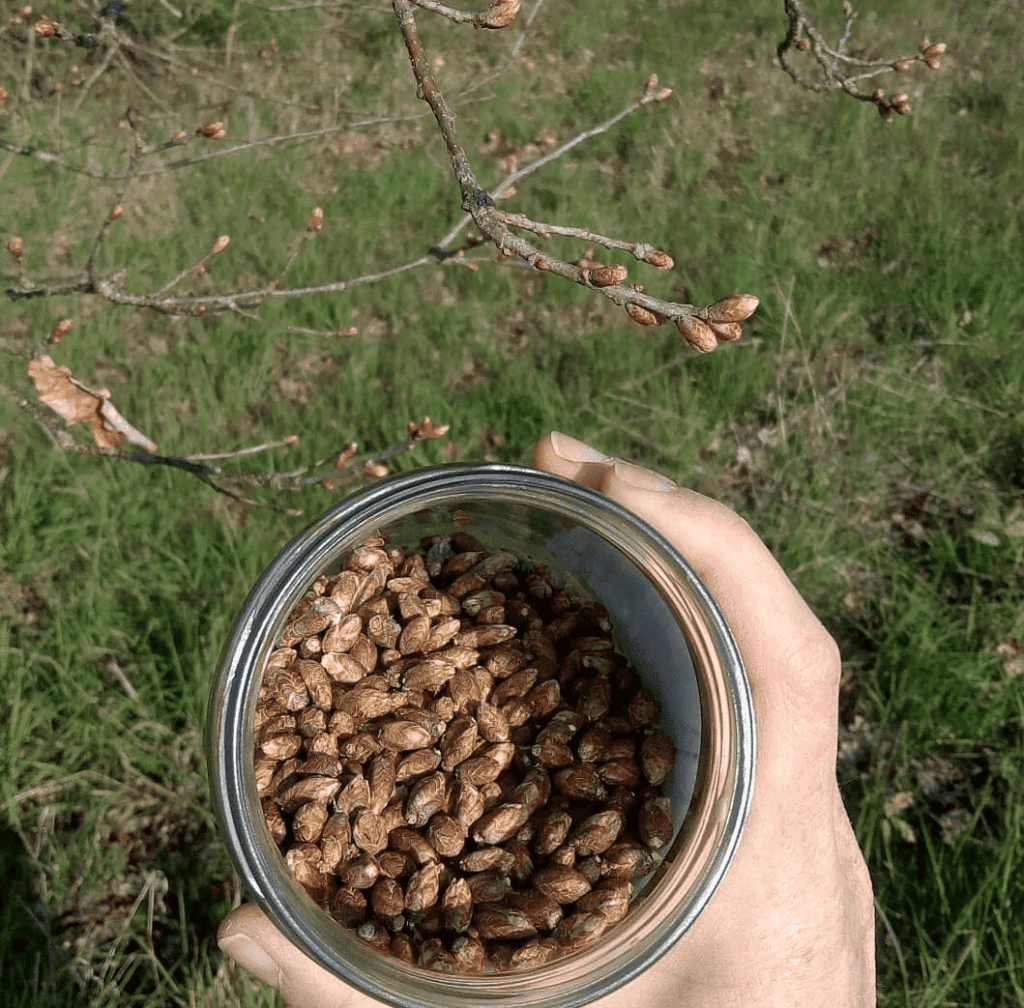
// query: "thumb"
[[248, 937], [793, 663]]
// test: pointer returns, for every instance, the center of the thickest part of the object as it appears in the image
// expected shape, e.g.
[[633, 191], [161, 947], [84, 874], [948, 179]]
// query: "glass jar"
[[667, 624]]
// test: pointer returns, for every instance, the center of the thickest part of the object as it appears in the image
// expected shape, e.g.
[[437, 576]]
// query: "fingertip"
[[574, 460], [239, 938]]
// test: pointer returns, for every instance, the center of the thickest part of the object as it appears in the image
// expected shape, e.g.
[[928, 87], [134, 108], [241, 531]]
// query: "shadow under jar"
[[665, 623]]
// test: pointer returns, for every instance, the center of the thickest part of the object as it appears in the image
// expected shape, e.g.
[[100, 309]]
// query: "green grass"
[[868, 425]]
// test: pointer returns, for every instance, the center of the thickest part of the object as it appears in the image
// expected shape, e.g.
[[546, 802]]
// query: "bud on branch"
[[212, 131], [500, 14]]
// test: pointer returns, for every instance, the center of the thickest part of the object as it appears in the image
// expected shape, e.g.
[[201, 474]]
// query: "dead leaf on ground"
[[73, 401]]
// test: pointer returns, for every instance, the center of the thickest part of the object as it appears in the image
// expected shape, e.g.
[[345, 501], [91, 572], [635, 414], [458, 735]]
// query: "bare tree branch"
[[479, 204], [840, 71]]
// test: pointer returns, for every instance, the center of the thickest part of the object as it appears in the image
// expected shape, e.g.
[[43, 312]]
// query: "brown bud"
[[423, 887], [16, 246], [596, 833], [116, 212], [408, 841], [309, 822], [427, 428], [446, 834], [627, 861], [934, 63], [212, 130], [375, 470], [651, 83], [928, 49], [734, 308], [387, 898], [494, 920], [368, 832], [803, 44], [46, 28], [60, 330], [457, 905], [500, 14], [361, 872], [404, 735], [563, 885], [489, 886], [654, 821], [500, 824], [541, 264], [469, 954], [902, 65], [727, 331], [316, 220], [901, 105], [3, 97], [348, 905], [658, 756], [417, 763], [697, 333], [641, 316], [427, 797], [664, 94], [220, 244], [342, 634], [578, 930], [608, 276]]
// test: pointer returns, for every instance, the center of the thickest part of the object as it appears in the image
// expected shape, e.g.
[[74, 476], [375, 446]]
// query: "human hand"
[[792, 922]]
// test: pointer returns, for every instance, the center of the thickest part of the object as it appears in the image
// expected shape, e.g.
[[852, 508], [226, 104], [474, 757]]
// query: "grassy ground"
[[869, 424]]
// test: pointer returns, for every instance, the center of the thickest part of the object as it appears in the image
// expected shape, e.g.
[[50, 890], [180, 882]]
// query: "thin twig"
[[284, 442], [480, 204], [837, 66]]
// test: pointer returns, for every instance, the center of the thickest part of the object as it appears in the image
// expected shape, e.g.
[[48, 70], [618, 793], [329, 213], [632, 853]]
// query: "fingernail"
[[251, 957], [571, 450], [642, 479]]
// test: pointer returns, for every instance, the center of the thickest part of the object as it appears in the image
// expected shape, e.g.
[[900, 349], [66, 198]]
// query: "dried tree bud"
[[46, 28], [803, 44], [427, 428], [16, 246], [178, 136], [116, 212], [316, 220], [651, 83], [608, 276], [220, 244], [663, 94], [500, 14], [697, 333], [734, 308], [901, 105], [727, 330], [641, 316], [60, 330], [375, 470], [3, 96], [659, 259], [902, 65], [212, 130]]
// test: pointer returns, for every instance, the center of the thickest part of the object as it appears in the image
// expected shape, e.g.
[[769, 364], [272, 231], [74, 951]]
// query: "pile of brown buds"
[[455, 762]]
